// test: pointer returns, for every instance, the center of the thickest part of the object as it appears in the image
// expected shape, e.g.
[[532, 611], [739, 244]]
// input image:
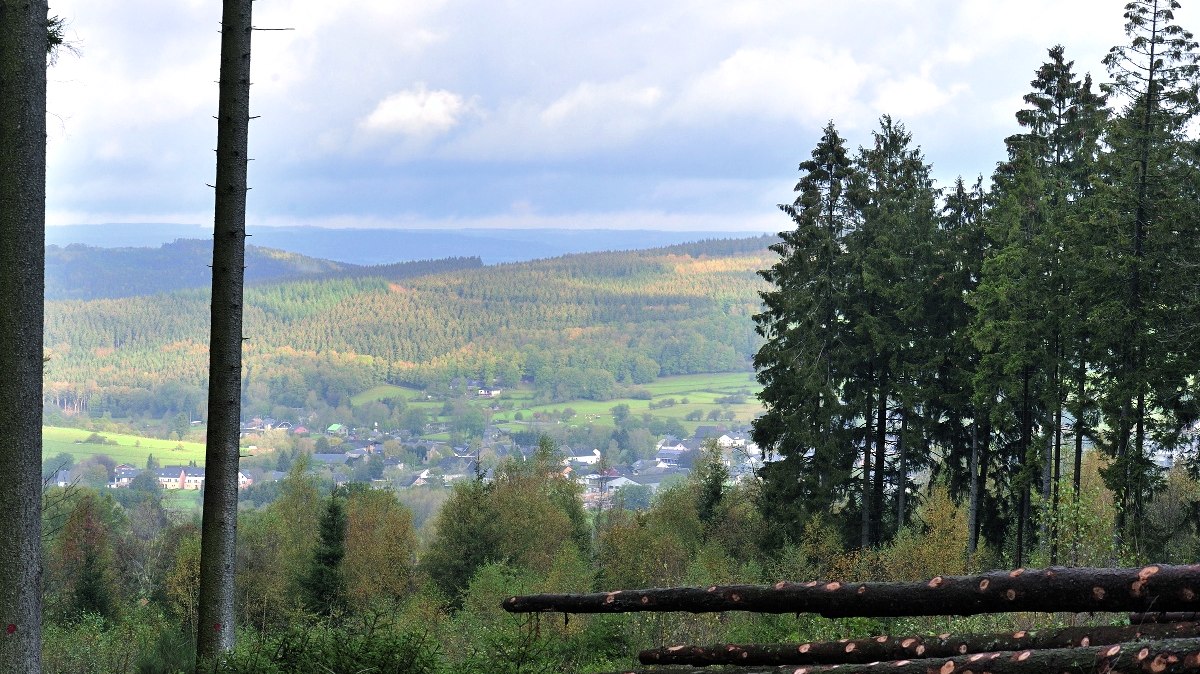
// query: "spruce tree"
[[323, 585], [1146, 366], [891, 255], [800, 365]]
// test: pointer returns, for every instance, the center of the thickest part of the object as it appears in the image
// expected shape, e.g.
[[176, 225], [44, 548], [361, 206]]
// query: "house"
[[337, 429], [124, 474], [670, 458], [585, 459], [334, 458], [191, 477]]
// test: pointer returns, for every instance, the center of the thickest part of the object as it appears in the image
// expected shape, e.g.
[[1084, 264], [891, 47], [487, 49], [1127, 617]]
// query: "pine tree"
[[1146, 368], [324, 586], [891, 255], [807, 423]]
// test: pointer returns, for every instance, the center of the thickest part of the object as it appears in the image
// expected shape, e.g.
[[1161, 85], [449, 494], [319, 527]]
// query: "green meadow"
[[701, 391], [129, 449]]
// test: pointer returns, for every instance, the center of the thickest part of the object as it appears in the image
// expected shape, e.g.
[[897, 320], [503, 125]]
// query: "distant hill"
[[591, 325], [84, 272], [382, 246]]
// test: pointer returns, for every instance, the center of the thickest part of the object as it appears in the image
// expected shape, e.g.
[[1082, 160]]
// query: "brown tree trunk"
[[218, 543], [1054, 590], [23, 50], [880, 459], [860, 651], [973, 507], [1173, 656], [1161, 617]]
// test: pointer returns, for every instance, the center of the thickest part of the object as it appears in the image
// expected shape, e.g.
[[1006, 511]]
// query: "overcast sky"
[[663, 114]]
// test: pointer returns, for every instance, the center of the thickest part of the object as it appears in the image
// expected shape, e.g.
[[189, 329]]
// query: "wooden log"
[[1057, 589], [1161, 617], [1173, 656], [858, 651]]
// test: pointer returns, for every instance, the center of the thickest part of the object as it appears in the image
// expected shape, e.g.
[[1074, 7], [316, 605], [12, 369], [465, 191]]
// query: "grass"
[[383, 392], [700, 390], [129, 449], [182, 501]]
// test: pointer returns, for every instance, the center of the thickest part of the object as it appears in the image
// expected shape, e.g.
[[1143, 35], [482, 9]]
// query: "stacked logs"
[[1164, 636]]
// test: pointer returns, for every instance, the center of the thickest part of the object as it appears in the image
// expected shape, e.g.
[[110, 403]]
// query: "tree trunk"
[[219, 530], [902, 472], [860, 651], [1056, 474], [881, 411], [23, 50], [866, 467], [973, 507], [1080, 411], [1160, 617], [1173, 656], [1055, 590]]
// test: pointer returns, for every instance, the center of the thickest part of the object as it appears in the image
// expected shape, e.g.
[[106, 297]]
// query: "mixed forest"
[[991, 374]]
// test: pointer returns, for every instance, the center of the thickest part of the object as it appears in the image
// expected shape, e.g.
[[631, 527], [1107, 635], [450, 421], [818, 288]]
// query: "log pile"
[[1163, 637], [1054, 590], [882, 648]]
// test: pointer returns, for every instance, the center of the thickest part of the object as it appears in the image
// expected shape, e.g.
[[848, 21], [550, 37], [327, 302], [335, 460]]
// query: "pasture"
[[129, 449]]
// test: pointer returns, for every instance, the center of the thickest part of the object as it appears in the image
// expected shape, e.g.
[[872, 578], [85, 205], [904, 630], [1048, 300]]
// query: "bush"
[[320, 648]]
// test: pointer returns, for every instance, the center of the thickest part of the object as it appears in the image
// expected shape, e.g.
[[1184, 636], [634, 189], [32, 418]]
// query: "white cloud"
[[803, 82], [417, 112], [912, 97], [611, 100]]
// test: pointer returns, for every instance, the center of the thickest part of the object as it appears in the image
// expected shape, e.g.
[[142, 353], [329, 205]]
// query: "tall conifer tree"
[[807, 423], [1146, 368]]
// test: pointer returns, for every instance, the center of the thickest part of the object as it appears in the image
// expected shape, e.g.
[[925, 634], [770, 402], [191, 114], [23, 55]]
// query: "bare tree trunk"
[[868, 434], [1170, 656], [219, 531], [1055, 590], [873, 649], [880, 458], [973, 493], [902, 472], [23, 50]]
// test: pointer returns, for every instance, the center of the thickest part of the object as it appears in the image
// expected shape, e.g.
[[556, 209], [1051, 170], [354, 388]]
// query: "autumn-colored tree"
[[381, 548]]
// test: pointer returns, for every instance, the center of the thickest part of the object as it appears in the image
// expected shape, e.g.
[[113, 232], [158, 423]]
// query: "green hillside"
[[591, 326], [86, 272]]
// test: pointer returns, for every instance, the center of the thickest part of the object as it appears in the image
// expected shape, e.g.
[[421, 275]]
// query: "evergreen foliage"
[[324, 585]]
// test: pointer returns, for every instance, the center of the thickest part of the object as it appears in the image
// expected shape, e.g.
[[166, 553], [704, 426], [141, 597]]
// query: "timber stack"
[[1163, 636]]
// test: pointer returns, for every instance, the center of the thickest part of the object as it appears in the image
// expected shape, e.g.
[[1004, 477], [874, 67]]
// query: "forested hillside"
[[579, 326], [80, 272]]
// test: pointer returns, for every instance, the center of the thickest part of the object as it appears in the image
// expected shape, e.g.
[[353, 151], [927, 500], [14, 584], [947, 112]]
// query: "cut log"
[[883, 648], [1173, 656], [1143, 618], [1157, 587]]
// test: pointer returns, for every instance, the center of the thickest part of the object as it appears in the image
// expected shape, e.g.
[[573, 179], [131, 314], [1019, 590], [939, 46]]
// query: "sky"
[[622, 114]]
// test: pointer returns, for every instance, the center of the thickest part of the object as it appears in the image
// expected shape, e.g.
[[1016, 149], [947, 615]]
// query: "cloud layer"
[[465, 111]]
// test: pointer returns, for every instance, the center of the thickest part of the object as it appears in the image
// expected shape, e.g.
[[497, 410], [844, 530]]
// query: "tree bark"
[[973, 507], [881, 414], [1161, 617], [1054, 590], [219, 529], [23, 51], [1173, 656], [877, 649]]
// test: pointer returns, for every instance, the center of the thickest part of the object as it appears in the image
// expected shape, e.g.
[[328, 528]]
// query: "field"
[[729, 396], [692, 394], [129, 449]]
